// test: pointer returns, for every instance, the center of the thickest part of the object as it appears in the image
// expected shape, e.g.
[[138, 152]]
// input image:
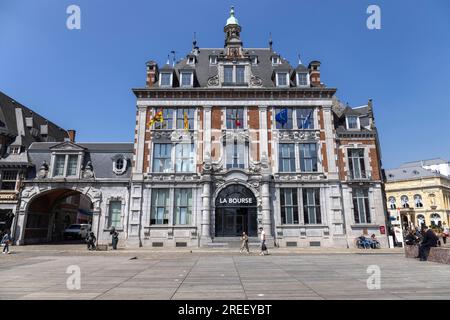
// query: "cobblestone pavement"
[[29, 273]]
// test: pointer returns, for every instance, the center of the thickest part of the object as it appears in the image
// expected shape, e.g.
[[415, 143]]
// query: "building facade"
[[418, 193], [19, 128], [73, 183], [233, 139]]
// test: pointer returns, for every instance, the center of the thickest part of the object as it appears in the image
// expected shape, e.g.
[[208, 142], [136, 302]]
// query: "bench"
[[437, 254]]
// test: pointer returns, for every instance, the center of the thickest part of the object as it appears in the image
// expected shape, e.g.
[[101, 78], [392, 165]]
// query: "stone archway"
[[235, 211], [44, 212]]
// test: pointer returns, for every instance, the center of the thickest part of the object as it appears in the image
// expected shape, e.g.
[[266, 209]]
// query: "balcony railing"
[[358, 176]]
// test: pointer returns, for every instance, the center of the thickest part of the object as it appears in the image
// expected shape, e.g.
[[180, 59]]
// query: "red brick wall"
[[216, 117]]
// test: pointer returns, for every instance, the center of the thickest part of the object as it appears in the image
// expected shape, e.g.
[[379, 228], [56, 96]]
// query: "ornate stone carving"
[[43, 170], [290, 135], [255, 81], [207, 163], [264, 161], [213, 81], [88, 172], [30, 192]]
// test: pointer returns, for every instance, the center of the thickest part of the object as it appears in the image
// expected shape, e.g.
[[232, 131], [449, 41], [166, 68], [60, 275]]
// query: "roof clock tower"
[[233, 43]]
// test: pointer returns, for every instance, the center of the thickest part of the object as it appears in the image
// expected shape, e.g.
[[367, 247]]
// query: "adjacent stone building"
[[19, 128], [233, 139], [418, 193]]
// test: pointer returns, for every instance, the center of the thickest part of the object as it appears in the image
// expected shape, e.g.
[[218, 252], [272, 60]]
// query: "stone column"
[[263, 136], [329, 141], [265, 206], [140, 142], [206, 210]]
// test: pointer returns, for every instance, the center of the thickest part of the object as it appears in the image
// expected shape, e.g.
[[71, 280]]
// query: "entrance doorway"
[[57, 216], [236, 212]]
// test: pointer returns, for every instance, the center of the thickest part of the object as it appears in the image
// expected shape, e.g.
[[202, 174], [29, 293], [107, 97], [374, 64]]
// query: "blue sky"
[[82, 79]]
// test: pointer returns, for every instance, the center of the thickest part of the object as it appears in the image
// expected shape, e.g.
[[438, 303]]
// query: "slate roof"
[[204, 70], [8, 121], [409, 173], [100, 154]]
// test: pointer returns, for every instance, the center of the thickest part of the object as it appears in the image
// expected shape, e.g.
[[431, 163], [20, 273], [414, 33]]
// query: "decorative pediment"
[[67, 146]]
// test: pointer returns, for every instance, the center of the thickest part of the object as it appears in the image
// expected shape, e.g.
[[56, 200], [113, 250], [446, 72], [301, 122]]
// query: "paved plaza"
[[209, 274]]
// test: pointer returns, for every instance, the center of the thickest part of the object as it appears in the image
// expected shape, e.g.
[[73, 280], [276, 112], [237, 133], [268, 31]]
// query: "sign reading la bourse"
[[236, 200]]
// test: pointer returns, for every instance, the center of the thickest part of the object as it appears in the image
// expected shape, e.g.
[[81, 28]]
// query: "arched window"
[[420, 220], [418, 201], [392, 203], [404, 200], [435, 220]]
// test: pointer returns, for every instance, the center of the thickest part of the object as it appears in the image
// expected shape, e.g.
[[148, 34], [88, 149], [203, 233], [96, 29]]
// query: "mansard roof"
[[11, 125]]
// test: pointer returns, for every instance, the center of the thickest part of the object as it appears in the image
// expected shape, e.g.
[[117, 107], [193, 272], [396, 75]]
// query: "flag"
[[158, 117], [282, 117], [236, 120], [305, 123], [186, 122]]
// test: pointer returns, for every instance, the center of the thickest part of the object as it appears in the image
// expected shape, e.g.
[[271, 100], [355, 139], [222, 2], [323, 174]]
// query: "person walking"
[[6, 241], [445, 234], [263, 242], [115, 237], [429, 240], [244, 244], [91, 239]]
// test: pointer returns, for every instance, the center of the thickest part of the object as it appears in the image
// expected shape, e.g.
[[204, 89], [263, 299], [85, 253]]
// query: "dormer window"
[[254, 60], [119, 165], [191, 60], [166, 79], [65, 165], [234, 75], [187, 79], [302, 79], [275, 60], [14, 150], [282, 79], [212, 59], [352, 122]]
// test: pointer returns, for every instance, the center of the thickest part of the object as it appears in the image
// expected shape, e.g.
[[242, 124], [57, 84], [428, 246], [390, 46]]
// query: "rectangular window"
[[235, 118], [356, 163], [184, 157], [305, 118], [235, 153], [160, 206], [9, 180], [165, 79], [311, 206], [213, 59], [72, 165], [186, 79], [240, 74], [352, 122], [183, 206], [228, 74], [58, 165], [308, 157], [167, 123], [282, 79], [162, 157], [361, 205], [115, 213], [286, 157], [288, 124], [289, 206], [302, 79], [184, 113]]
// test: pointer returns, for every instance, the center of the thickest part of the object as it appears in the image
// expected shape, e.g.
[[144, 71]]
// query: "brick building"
[[247, 141]]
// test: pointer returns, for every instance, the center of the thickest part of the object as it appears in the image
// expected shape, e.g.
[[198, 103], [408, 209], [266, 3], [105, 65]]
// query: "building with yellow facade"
[[418, 193]]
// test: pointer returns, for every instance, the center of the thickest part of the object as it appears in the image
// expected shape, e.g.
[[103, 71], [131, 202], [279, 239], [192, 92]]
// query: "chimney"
[[72, 134], [152, 73], [314, 73]]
